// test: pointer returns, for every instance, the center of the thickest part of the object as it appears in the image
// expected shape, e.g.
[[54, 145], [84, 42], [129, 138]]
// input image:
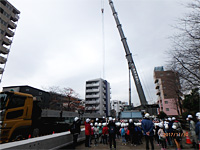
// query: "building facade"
[[117, 106], [97, 97], [9, 16], [168, 91]]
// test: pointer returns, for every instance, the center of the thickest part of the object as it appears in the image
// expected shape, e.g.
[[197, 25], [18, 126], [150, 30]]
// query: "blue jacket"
[[197, 130], [147, 126]]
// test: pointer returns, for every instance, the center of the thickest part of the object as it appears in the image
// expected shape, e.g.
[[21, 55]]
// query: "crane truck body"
[[22, 117]]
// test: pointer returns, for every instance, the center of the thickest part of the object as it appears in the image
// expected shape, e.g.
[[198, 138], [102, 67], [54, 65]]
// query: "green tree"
[[191, 101]]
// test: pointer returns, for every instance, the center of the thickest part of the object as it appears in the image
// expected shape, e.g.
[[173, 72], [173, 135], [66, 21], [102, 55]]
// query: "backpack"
[[111, 129], [122, 131]]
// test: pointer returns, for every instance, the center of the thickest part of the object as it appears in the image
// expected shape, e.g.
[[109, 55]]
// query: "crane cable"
[[103, 37]]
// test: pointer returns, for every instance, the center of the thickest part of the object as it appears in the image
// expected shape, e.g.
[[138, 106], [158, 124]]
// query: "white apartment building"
[[117, 106], [97, 97]]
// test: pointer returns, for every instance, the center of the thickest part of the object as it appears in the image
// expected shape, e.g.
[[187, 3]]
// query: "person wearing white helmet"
[[169, 131], [123, 133], [162, 136], [96, 133], [177, 132], [147, 127], [112, 132], [192, 131], [197, 129], [92, 133], [131, 128], [100, 127], [87, 132], [105, 133], [75, 130]]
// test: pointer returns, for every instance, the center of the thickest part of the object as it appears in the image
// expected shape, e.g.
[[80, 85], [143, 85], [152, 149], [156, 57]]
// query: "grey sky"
[[59, 43]]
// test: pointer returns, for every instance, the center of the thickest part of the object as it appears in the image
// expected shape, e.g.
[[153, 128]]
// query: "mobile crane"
[[129, 58]]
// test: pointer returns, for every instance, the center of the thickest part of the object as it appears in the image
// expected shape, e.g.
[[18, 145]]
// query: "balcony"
[[4, 50], [6, 41], [157, 85], [12, 25], [92, 90], [97, 108], [92, 96], [14, 17], [156, 81], [92, 102], [92, 85], [9, 33], [1, 70], [2, 60], [158, 92]]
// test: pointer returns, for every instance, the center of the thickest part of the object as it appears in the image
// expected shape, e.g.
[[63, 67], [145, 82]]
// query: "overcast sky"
[[59, 43]]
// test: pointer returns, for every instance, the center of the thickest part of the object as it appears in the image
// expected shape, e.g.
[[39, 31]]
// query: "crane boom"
[[129, 58]]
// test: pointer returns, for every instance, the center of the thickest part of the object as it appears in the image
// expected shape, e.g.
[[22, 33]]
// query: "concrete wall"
[[50, 142]]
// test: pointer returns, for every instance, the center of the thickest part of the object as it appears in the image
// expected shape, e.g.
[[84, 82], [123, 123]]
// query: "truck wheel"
[[36, 132]]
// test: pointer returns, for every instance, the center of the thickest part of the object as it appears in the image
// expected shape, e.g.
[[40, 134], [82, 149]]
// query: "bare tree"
[[185, 53], [65, 97]]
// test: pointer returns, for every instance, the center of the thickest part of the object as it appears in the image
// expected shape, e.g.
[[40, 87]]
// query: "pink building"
[[167, 86]]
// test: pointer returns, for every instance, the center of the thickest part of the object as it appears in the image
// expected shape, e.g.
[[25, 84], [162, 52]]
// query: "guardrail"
[[51, 142]]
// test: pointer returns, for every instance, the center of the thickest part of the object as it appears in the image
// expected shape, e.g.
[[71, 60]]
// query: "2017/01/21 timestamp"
[[176, 134]]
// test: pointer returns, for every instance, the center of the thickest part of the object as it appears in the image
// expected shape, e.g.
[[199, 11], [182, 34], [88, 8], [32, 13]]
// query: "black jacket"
[[111, 126], [76, 127], [131, 128]]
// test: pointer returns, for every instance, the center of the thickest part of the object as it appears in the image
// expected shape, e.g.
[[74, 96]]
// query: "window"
[[16, 101], [166, 102], [167, 109]]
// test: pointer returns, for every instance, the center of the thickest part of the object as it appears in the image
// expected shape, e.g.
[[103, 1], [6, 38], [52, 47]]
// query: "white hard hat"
[[87, 120], [91, 124], [104, 124], [166, 126], [130, 120], [197, 114], [76, 118], [146, 115], [190, 116], [96, 124], [174, 126], [113, 119], [170, 119], [99, 124], [97, 119], [122, 125], [118, 123], [110, 118], [173, 118]]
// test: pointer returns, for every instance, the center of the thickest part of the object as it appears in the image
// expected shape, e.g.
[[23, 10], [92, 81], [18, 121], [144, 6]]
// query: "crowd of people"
[[166, 133]]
